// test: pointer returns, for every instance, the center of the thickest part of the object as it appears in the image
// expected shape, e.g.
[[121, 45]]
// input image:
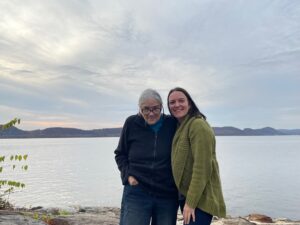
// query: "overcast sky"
[[84, 63]]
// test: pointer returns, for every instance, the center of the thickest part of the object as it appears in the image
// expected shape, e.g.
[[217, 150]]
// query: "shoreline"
[[110, 215]]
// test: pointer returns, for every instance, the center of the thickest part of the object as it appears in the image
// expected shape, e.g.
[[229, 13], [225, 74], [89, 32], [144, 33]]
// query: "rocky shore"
[[109, 216]]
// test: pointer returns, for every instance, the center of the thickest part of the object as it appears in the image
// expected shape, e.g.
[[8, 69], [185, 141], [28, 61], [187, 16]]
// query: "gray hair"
[[149, 94]]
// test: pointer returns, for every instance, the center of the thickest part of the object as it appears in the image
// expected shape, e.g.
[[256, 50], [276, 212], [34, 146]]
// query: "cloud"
[[85, 63]]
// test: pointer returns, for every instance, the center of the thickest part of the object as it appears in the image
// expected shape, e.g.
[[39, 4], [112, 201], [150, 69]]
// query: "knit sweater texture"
[[195, 167]]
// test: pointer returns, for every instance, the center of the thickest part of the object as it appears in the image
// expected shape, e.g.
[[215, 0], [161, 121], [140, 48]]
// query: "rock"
[[17, 219], [57, 221], [82, 210], [232, 221], [260, 218], [54, 211], [281, 220], [36, 208]]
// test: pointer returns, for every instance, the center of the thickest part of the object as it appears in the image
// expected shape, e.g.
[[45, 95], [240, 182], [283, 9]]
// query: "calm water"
[[259, 174]]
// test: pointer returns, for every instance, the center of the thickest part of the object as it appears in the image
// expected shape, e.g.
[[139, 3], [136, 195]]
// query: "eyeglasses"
[[147, 110]]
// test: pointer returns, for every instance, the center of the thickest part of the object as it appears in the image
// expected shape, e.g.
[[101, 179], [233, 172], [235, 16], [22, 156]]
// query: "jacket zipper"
[[154, 157], [155, 146]]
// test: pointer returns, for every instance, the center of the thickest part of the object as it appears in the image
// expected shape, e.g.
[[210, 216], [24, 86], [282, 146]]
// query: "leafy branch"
[[8, 186]]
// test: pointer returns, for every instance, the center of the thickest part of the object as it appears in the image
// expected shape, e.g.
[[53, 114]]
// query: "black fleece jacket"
[[146, 155]]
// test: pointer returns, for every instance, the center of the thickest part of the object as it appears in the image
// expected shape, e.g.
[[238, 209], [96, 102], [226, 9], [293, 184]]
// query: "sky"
[[84, 63]]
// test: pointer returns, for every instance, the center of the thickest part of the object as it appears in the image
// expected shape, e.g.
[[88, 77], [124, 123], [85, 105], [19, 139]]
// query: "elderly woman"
[[143, 156]]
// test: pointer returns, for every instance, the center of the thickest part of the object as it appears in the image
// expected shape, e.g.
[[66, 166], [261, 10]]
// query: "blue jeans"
[[201, 217], [139, 208]]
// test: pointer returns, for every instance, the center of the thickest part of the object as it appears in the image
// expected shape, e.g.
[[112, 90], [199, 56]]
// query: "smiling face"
[[179, 105], [150, 110]]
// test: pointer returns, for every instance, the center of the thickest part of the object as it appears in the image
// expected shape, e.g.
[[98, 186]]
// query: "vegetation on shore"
[[10, 162]]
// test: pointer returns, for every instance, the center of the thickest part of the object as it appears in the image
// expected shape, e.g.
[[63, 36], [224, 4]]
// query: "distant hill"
[[290, 132], [267, 131], [60, 132]]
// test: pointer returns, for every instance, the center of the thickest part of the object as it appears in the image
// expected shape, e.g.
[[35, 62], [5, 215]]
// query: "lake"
[[260, 174]]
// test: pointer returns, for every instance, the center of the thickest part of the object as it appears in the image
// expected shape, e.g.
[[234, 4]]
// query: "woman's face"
[[179, 105], [150, 110]]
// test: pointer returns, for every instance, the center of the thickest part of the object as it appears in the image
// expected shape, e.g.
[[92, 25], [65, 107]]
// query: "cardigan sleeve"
[[121, 154], [202, 143]]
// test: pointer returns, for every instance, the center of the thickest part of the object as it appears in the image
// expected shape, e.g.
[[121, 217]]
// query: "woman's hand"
[[132, 181], [187, 213]]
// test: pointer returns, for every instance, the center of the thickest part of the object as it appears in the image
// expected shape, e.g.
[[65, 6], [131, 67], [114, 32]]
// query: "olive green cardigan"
[[195, 167]]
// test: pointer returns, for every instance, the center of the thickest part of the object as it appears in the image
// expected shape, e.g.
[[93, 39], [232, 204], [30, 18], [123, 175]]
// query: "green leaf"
[[11, 158], [3, 182], [1, 169], [25, 157], [14, 166], [10, 123], [36, 216], [20, 157]]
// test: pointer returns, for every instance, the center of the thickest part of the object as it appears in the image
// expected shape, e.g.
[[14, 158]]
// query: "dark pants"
[[139, 208], [201, 217]]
